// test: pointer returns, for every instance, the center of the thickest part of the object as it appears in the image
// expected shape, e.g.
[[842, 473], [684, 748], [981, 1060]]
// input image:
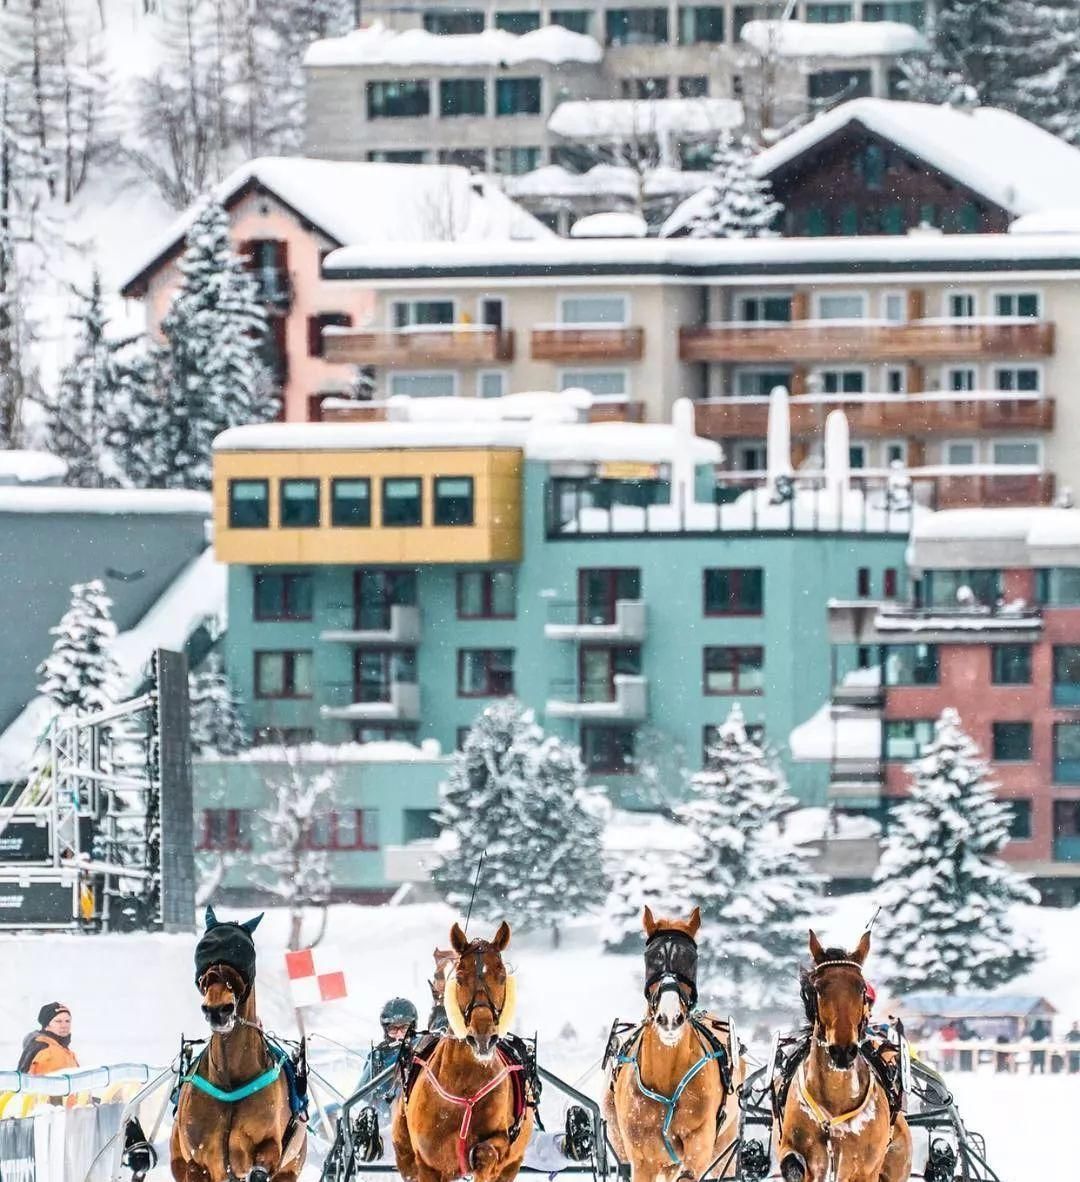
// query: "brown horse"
[[836, 1125], [236, 1133], [672, 1103], [461, 1116]]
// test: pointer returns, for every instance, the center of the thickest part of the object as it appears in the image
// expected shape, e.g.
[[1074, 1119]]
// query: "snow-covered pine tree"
[[968, 45], [741, 205], [80, 674], [209, 372], [1043, 58], [943, 889], [641, 878], [217, 722], [755, 888]]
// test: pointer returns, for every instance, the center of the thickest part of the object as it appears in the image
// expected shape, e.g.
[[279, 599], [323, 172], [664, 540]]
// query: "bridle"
[[670, 965], [481, 995], [810, 994]]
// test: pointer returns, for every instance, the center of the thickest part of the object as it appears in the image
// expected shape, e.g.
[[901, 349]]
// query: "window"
[[600, 589], [873, 161], [419, 825], [454, 24], [636, 26], [829, 14], [376, 591], [596, 381], [1067, 753], [401, 501], [399, 156], [589, 310], [600, 664], [516, 161], [816, 222], [517, 23], [350, 501], [316, 324], [377, 670], [423, 385], [1010, 664], [249, 504], [905, 12], [406, 99], [960, 305], [694, 86], [895, 452], [857, 455], [890, 582], [418, 313], [283, 674], [843, 381], [490, 383], [960, 452], [910, 664], [1019, 819], [353, 829], [1025, 452], [453, 500], [893, 220], [226, 830], [701, 26], [894, 307], [960, 381], [485, 672], [841, 307], [283, 595], [299, 506], [943, 586], [905, 738], [734, 670], [645, 88], [607, 750], [1025, 379], [1059, 586], [462, 96], [862, 582], [1011, 741], [1067, 675], [742, 15], [283, 736], [759, 383], [474, 159], [517, 96], [1017, 304], [896, 381], [772, 308], [734, 592], [574, 19], [834, 84], [487, 594]]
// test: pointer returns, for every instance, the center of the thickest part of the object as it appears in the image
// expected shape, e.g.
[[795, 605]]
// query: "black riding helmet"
[[398, 1011]]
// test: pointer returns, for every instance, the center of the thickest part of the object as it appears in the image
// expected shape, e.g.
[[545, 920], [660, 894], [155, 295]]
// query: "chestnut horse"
[[672, 1103], [836, 1125], [233, 1117], [460, 1116]]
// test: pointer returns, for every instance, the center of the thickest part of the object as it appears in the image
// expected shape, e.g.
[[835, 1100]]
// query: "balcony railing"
[[587, 343], [402, 626], [432, 344], [861, 780], [567, 623], [866, 340], [881, 414], [401, 704], [628, 703]]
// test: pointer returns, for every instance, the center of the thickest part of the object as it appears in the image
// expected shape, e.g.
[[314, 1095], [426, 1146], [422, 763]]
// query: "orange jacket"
[[50, 1056]]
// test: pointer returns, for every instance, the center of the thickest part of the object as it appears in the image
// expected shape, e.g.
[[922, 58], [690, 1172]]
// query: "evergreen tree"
[[217, 723], [80, 674], [943, 890], [739, 204], [1043, 57], [639, 879], [755, 888], [968, 46]]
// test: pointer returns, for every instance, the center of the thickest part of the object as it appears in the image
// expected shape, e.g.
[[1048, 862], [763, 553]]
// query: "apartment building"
[[947, 352], [991, 626], [388, 580]]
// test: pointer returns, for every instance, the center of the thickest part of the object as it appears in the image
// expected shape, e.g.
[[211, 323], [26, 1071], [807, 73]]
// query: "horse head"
[[480, 993], [225, 969], [444, 961], [671, 972], [223, 990], [834, 995]]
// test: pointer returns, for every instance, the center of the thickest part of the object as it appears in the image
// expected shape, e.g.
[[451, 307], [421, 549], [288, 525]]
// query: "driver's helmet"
[[398, 1011], [871, 994]]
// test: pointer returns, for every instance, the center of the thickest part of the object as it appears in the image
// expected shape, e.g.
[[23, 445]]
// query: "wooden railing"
[[588, 344], [452, 344]]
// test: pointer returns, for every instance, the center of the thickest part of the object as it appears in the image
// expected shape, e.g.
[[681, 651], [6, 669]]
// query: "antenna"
[[476, 883], [873, 919]]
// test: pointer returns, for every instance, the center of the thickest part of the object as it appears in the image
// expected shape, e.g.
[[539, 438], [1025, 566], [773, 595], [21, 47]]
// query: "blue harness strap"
[[245, 1090]]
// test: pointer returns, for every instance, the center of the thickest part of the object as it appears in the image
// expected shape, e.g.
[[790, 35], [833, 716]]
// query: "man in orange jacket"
[[49, 1047]]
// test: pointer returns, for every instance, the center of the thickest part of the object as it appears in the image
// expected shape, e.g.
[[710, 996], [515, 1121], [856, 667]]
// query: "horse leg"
[[486, 1157], [404, 1154], [793, 1166]]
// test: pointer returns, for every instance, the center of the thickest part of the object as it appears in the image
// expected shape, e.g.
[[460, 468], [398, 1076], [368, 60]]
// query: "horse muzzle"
[[482, 1044], [843, 1056], [221, 1018], [670, 1014]]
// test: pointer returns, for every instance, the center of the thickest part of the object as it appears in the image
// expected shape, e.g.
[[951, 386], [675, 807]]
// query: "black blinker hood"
[[671, 953]]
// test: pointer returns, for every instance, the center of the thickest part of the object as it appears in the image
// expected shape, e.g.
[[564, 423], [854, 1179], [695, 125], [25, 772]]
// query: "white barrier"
[[982, 1054], [72, 1083]]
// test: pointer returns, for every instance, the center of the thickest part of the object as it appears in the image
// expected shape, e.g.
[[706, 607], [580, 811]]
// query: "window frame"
[[334, 522], [450, 82], [487, 663], [1037, 444], [503, 376], [288, 577], [333, 820], [586, 370], [608, 768], [435, 503], [502, 82], [595, 324], [738, 652], [967, 293], [283, 483], [265, 483], [994, 739], [487, 597], [740, 571], [453, 374], [946, 444], [410, 303], [237, 831], [417, 83], [1016, 293], [1034, 366], [927, 725], [1058, 762], [288, 674], [860, 294], [996, 668]]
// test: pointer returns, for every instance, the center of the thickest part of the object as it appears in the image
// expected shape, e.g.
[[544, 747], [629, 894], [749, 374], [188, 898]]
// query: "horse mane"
[[806, 981]]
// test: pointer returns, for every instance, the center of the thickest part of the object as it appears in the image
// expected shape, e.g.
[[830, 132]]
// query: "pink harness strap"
[[469, 1103]]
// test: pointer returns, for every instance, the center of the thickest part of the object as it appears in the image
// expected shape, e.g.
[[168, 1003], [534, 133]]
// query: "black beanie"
[[48, 1012]]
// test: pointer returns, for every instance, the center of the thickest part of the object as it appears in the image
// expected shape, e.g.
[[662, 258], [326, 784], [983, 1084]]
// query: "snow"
[[973, 619], [31, 467], [104, 500], [687, 212], [602, 180], [997, 154], [376, 45], [843, 39], [616, 224], [821, 824], [1038, 526], [1048, 221], [386, 751], [628, 833], [629, 119], [823, 738]]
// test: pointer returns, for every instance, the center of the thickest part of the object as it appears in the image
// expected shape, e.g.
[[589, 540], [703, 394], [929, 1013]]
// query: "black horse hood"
[[227, 943]]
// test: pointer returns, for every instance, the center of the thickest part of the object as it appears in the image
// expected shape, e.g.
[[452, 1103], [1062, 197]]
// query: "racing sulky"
[[671, 1099]]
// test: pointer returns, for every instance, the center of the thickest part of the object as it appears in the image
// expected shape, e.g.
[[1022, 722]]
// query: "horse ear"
[[502, 937], [249, 925], [862, 951], [211, 919], [816, 950], [458, 940], [694, 922], [649, 922]]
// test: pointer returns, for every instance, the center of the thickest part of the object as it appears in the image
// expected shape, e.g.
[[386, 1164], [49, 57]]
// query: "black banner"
[[24, 841], [17, 1151], [37, 903]]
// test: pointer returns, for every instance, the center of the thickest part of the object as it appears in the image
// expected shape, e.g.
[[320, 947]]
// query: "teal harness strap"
[[241, 1093]]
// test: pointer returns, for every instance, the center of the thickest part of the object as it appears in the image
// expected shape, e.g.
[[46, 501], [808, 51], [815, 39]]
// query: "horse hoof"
[[259, 1174], [793, 1168], [482, 1157]]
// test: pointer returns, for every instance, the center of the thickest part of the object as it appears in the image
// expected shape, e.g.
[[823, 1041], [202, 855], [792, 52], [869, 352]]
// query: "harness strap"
[[469, 1103], [825, 1119], [245, 1090]]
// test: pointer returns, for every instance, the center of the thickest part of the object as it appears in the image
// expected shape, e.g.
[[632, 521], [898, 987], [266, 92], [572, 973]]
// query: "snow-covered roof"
[[31, 467], [355, 202], [614, 224], [995, 153], [615, 119], [824, 824], [801, 39], [965, 538], [387, 751], [848, 736], [697, 205], [377, 45], [602, 180], [47, 499], [1048, 221], [951, 1005]]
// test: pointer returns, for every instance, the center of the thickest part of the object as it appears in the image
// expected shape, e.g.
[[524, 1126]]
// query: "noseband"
[[670, 964]]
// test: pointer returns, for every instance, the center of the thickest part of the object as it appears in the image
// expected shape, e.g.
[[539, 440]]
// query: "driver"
[[398, 1019]]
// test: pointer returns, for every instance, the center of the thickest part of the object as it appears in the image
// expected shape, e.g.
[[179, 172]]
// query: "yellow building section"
[[494, 536]]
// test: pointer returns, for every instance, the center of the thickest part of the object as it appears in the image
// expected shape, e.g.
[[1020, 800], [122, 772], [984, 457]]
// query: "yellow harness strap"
[[823, 1118]]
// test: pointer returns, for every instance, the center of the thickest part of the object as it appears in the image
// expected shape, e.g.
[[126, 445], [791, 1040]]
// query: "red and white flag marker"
[[315, 976]]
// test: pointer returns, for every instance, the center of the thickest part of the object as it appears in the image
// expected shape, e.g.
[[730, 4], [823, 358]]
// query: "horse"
[[444, 961], [234, 1120], [672, 1097], [836, 1124], [464, 1112]]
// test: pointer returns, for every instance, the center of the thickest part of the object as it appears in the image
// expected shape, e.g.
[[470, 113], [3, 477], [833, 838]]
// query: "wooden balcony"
[[929, 340], [452, 344], [587, 344], [881, 415], [994, 491]]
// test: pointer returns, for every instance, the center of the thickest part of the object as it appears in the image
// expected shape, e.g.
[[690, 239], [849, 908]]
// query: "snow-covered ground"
[[132, 996]]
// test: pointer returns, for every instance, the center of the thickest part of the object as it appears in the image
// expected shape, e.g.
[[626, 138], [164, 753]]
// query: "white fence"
[[988, 1056]]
